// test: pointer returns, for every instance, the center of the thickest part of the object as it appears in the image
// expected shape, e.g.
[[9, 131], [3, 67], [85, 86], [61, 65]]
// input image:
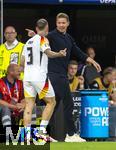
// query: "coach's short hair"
[[63, 15], [41, 23]]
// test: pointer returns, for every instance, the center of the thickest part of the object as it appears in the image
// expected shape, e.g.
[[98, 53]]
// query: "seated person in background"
[[11, 91], [107, 82], [4, 103], [91, 52], [75, 82], [88, 71]]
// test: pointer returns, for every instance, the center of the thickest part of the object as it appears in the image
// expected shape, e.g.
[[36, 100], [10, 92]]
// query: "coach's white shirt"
[[36, 61]]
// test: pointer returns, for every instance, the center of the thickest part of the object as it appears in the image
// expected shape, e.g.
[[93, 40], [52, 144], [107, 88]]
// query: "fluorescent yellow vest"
[[74, 84], [7, 56]]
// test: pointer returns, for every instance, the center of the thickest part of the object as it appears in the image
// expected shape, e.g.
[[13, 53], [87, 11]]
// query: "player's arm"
[[52, 54], [45, 47], [30, 32]]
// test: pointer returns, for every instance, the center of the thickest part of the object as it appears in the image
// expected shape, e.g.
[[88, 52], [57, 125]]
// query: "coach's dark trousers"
[[62, 120]]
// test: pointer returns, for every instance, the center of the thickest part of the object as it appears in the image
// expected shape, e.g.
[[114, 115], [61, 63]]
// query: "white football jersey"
[[36, 61]]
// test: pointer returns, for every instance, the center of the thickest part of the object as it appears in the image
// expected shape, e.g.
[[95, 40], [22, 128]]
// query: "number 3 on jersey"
[[30, 56]]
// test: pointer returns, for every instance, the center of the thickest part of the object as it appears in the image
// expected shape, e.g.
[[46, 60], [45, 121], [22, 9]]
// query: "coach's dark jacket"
[[59, 41]]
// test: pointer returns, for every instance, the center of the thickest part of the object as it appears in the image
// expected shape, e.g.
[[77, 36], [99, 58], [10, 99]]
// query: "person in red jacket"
[[11, 95]]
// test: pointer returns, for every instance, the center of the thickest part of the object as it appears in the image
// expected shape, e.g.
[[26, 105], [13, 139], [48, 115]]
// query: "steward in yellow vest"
[[10, 51]]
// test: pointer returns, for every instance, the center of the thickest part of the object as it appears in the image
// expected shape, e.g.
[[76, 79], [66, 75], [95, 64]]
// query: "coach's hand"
[[63, 53], [94, 63], [31, 33]]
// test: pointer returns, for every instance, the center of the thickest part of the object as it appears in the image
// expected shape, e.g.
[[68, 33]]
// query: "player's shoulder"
[[31, 40], [44, 39]]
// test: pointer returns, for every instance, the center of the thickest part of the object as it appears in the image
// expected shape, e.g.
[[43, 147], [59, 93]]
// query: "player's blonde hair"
[[41, 23]]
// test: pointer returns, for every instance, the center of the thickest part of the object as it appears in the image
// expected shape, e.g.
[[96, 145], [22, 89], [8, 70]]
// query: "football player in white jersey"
[[35, 62]]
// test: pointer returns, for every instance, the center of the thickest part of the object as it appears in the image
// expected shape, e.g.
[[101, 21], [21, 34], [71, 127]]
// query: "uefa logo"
[[104, 98], [107, 1]]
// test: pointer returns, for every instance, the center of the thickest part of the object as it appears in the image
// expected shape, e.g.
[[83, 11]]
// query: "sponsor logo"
[[108, 1]]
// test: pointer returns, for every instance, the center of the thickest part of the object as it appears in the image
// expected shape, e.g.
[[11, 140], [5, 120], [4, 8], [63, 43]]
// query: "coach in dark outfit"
[[57, 69]]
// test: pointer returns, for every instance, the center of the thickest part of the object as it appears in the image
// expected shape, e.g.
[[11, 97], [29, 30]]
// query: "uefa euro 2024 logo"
[[108, 1]]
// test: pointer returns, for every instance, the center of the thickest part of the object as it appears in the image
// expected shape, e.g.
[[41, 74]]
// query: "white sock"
[[43, 125]]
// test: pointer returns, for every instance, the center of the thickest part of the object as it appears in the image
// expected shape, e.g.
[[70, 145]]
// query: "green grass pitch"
[[84, 146], [65, 146]]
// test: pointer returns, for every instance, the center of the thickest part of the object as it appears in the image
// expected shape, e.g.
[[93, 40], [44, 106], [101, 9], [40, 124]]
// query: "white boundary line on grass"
[[1, 27]]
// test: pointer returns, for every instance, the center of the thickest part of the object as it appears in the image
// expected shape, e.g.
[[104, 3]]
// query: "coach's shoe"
[[79, 138], [74, 138]]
